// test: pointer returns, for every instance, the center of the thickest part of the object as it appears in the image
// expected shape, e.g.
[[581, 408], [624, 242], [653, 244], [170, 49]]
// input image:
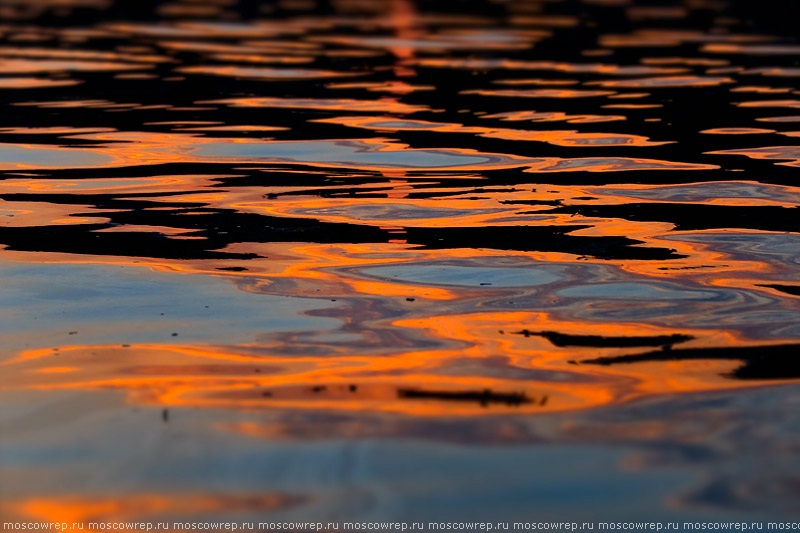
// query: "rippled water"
[[357, 260]]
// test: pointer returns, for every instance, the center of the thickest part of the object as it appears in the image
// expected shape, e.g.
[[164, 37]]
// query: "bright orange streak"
[[148, 506]]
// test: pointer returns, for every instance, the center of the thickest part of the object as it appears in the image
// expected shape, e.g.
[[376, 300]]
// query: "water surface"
[[398, 260]]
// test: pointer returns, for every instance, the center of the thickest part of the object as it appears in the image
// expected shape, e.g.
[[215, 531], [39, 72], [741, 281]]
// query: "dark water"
[[396, 260]]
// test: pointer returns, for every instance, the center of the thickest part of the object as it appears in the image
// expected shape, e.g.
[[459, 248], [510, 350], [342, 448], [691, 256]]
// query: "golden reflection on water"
[[372, 154], [151, 507], [484, 361], [442, 217]]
